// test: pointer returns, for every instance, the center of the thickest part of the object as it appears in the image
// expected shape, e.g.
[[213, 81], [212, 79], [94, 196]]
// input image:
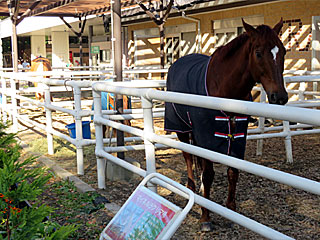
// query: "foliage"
[[6, 140], [76, 208], [19, 184], [69, 198]]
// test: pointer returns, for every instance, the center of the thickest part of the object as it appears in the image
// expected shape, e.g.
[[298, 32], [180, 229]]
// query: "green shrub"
[[19, 182]]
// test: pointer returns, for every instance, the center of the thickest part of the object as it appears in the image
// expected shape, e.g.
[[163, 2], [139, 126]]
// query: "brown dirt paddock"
[[293, 212]]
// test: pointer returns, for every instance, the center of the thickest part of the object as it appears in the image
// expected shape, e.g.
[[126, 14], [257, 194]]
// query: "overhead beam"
[[125, 4], [26, 13], [55, 5]]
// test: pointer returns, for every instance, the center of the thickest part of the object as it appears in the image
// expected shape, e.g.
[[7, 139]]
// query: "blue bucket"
[[86, 133]]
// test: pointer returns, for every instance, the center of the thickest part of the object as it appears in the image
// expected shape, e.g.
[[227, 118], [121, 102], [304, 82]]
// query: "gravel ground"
[[293, 212]]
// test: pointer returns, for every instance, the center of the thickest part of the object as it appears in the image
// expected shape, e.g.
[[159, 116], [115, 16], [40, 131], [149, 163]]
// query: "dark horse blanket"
[[211, 129]]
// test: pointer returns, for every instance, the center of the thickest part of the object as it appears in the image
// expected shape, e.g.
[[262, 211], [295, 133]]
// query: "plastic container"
[[86, 132]]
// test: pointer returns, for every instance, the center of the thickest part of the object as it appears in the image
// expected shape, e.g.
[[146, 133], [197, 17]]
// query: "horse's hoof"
[[206, 227]]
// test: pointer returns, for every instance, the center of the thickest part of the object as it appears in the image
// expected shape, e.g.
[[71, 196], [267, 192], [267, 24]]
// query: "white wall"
[[60, 49], [38, 46]]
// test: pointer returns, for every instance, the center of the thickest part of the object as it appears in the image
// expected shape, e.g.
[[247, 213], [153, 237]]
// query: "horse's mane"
[[239, 41]]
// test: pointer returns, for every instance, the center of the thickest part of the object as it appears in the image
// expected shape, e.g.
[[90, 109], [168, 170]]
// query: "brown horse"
[[40, 64], [256, 56]]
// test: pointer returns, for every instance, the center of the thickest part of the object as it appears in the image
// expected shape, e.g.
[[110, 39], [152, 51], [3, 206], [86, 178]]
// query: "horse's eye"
[[258, 54]]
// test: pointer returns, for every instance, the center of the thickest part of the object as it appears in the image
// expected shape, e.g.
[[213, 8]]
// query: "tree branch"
[[149, 13], [70, 27], [166, 14]]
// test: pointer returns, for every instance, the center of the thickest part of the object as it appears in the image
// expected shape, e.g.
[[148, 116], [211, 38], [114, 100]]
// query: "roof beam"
[[26, 13], [108, 8], [55, 5]]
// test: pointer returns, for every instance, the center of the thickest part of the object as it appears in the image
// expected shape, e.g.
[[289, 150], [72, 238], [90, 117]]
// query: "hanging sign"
[[95, 49]]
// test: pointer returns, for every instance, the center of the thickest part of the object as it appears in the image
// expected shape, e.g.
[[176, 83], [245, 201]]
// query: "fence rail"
[[258, 109], [151, 141]]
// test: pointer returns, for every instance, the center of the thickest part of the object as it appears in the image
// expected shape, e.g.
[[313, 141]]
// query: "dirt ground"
[[293, 212]]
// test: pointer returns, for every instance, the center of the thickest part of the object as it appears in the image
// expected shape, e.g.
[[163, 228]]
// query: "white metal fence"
[[308, 116], [58, 82], [9, 110]]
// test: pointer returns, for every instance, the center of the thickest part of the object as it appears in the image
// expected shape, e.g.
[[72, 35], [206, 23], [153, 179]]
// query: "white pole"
[[14, 103], [47, 99], [4, 99], [287, 141], [101, 162], [78, 125], [263, 99], [149, 147]]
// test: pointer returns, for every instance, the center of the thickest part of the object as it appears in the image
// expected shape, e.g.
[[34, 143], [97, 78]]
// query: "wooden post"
[[116, 21], [90, 42]]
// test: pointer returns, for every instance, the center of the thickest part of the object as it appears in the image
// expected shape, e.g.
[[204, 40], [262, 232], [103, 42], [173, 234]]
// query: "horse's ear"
[[277, 28], [251, 31]]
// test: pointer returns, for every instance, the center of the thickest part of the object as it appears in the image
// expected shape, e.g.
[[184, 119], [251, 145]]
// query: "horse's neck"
[[230, 77]]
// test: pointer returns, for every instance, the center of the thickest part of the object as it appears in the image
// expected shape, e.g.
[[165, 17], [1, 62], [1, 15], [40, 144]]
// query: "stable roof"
[[72, 8]]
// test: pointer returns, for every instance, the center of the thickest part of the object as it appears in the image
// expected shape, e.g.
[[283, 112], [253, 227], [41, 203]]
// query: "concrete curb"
[[64, 174]]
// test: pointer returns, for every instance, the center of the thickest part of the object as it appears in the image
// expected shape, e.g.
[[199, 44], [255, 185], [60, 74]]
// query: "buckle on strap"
[[229, 135]]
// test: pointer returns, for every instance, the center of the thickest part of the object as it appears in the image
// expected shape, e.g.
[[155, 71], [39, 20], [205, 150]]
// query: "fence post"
[[287, 141], [14, 107], [149, 147], [101, 162], [47, 101], [1, 110], [302, 89], [78, 125], [4, 99], [263, 98]]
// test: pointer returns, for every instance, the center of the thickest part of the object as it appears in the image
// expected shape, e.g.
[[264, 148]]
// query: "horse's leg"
[[189, 162], [206, 182], [233, 175], [104, 129], [184, 137]]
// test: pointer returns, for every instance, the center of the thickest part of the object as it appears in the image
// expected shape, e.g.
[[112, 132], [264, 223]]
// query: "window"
[[223, 36], [172, 50], [105, 56]]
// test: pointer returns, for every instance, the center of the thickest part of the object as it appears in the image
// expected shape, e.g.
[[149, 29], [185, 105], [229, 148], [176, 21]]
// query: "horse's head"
[[266, 60]]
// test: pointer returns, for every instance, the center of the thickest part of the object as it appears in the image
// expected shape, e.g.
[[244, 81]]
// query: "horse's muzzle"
[[276, 98]]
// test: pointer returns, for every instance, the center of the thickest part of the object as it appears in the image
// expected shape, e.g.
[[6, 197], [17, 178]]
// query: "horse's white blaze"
[[274, 52]]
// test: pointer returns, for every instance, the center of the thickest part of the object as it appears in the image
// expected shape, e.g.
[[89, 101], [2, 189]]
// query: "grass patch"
[[72, 207], [61, 148]]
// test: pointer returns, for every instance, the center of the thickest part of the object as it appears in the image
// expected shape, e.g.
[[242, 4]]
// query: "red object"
[[71, 56]]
